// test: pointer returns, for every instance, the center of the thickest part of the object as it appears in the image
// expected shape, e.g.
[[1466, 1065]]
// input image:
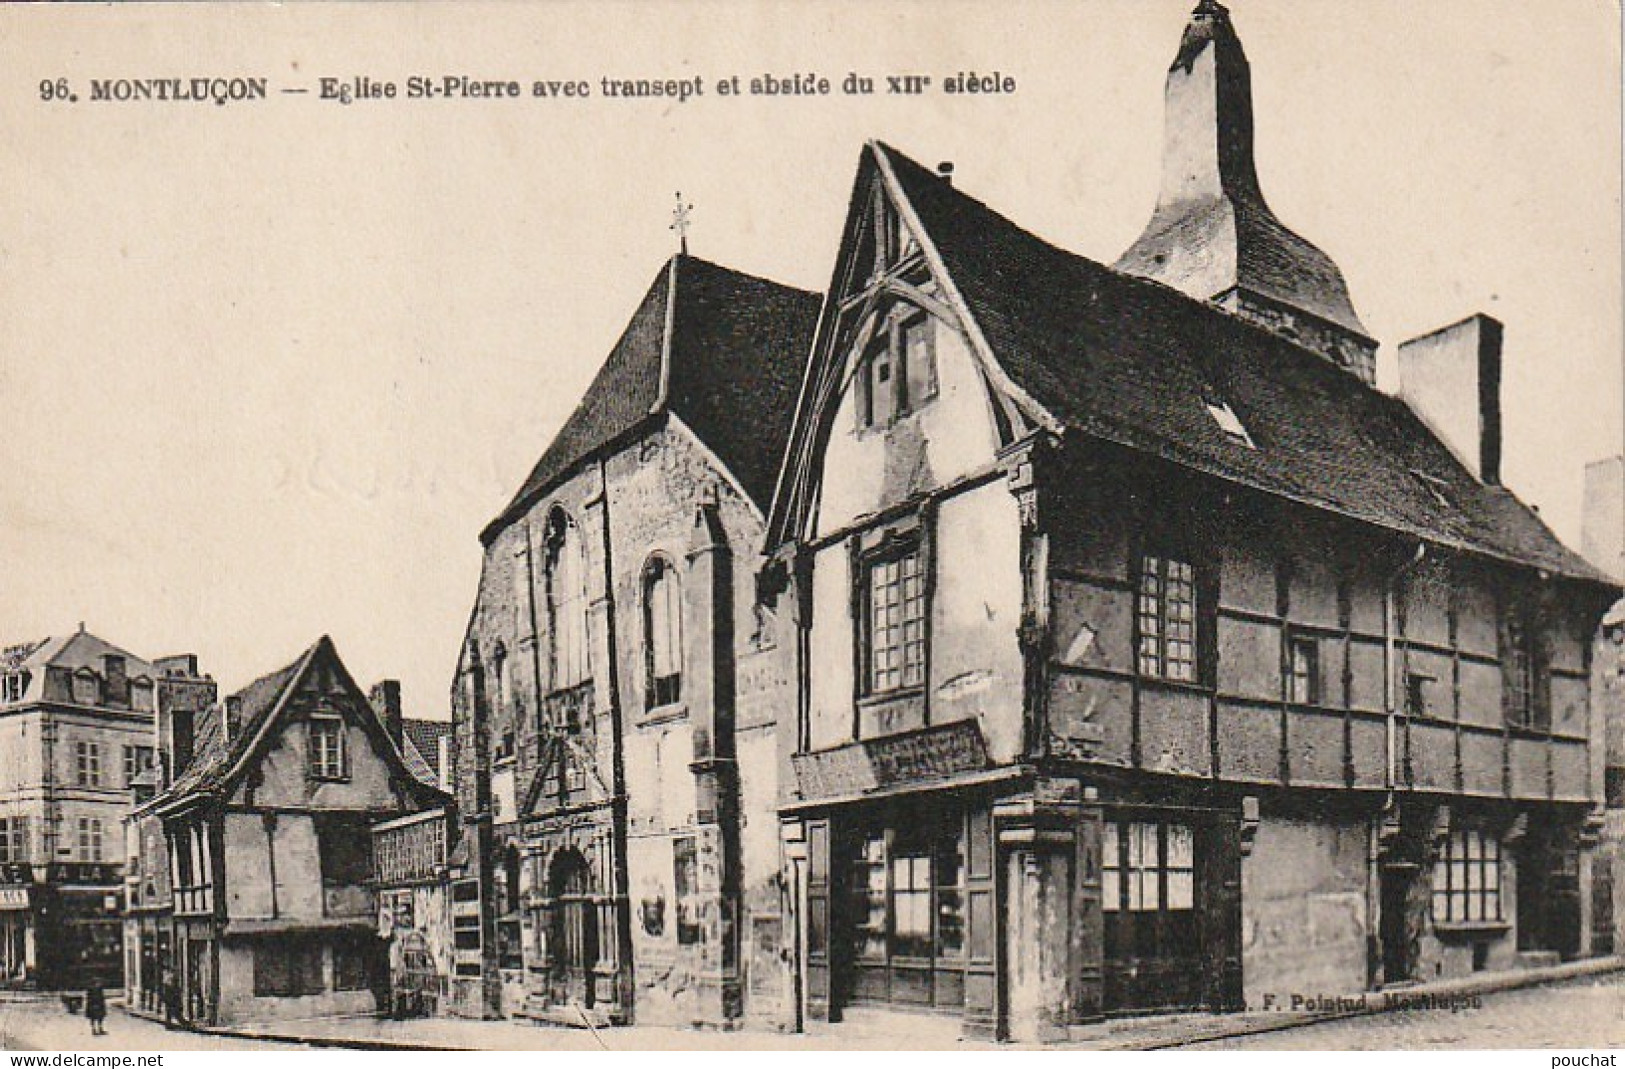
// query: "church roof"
[[721, 349], [1136, 363]]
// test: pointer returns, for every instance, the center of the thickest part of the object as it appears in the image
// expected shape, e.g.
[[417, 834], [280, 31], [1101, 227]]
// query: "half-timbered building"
[[1149, 657], [256, 854]]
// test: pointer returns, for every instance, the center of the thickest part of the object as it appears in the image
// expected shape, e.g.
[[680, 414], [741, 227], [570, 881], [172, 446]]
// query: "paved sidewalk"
[[38, 1022]]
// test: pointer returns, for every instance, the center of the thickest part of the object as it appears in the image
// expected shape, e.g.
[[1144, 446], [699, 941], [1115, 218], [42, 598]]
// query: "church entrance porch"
[[575, 925]]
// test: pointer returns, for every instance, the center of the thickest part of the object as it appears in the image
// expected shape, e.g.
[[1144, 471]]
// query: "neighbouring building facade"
[[617, 693], [253, 894], [76, 731], [1148, 657]]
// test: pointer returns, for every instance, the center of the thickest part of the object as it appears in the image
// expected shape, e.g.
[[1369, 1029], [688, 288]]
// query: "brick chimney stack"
[[1451, 377], [385, 697], [1212, 235]]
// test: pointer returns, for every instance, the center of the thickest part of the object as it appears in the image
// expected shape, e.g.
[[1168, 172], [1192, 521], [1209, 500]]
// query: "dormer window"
[[1229, 422], [13, 686], [898, 372]]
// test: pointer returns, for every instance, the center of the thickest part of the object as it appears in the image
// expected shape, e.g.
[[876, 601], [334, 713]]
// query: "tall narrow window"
[[327, 748], [663, 628], [1305, 688], [1167, 618], [895, 619], [90, 839], [566, 603], [88, 763], [1526, 702], [13, 839]]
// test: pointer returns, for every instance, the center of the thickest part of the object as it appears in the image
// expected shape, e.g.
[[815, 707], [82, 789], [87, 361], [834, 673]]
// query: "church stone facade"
[[617, 678]]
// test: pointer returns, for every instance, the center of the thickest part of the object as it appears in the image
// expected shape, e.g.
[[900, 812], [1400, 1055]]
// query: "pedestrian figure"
[[172, 1000], [95, 1009]]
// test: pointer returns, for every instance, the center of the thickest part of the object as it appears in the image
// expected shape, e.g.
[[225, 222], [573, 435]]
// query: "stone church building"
[[1148, 657], [616, 678]]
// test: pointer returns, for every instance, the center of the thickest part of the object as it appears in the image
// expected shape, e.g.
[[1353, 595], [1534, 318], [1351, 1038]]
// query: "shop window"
[[288, 968], [1148, 886], [1167, 618], [1305, 654], [894, 621], [663, 631], [907, 888], [1467, 879], [327, 756]]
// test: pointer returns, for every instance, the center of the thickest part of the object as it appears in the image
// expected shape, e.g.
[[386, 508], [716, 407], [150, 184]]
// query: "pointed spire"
[[1212, 234]]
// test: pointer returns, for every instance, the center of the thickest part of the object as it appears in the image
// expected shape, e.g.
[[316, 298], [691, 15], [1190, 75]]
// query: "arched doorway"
[[575, 928]]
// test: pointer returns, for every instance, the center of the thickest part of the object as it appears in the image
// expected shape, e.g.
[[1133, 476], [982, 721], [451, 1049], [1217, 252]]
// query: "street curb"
[[1208, 1030], [331, 1042]]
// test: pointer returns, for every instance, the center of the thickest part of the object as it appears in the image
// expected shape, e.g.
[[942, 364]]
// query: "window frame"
[[1525, 654], [318, 762], [661, 691], [879, 405], [874, 893], [569, 653], [1310, 692], [87, 754], [895, 550], [1478, 869], [1154, 664]]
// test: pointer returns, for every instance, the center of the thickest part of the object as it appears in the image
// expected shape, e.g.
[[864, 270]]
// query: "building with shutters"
[[75, 739], [1147, 656], [255, 886]]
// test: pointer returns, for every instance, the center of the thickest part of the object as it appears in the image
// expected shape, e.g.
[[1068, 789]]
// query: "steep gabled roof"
[[218, 760], [1133, 362], [721, 349]]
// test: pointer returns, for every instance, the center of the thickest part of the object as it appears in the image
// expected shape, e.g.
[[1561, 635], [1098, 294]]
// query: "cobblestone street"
[[1584, 1014]]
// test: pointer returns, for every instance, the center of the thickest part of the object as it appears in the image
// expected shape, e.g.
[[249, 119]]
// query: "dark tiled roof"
[[213, 754], [737, 346], [424, 737], [1134, 362]]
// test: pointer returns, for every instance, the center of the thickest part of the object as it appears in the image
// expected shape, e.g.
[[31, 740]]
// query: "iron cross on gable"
[[681, 217]]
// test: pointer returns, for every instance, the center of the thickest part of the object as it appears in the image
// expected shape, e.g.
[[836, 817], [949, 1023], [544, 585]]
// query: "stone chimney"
[[115, 681], [1451, 378], [385, 697], [1602, 535], [1212, 236]]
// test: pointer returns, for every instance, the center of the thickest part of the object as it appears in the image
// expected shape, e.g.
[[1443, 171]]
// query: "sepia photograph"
[[609, 526]]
